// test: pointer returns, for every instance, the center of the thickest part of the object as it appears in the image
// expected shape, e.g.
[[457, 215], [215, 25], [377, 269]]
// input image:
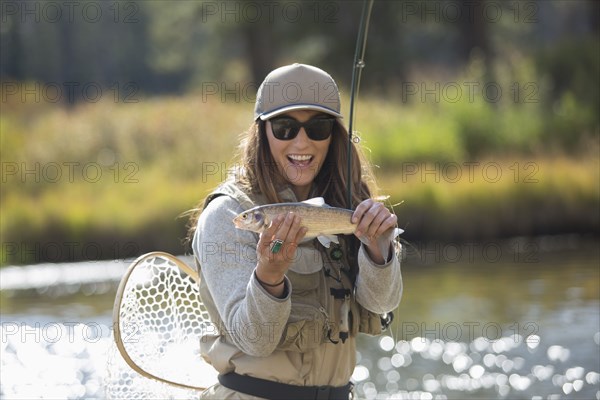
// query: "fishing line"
[[359, 64]]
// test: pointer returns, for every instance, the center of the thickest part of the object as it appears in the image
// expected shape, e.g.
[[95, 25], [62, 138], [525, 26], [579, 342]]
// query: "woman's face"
[[299, 159]]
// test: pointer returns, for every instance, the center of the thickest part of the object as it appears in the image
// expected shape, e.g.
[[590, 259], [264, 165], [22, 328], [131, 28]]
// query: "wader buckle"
[[322, 393]]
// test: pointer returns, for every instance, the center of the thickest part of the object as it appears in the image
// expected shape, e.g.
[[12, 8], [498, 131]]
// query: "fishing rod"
[[359, 64]]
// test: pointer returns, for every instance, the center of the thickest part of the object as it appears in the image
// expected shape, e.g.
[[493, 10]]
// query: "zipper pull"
[[344, 326], [327, 322], [324, 312]]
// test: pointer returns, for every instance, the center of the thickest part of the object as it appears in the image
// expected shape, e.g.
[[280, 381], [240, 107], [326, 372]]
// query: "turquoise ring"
[[276, 246]]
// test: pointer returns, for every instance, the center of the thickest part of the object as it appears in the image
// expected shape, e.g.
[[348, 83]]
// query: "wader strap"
[[280, 391]]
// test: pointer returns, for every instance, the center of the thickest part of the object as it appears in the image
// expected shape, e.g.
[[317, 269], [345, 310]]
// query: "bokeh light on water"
[[462, 332], [53, 360], [507, 368]]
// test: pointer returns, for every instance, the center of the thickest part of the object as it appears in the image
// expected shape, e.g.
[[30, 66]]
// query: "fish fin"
[[365, 240], [327, 240], [315, 201], [384, 240]]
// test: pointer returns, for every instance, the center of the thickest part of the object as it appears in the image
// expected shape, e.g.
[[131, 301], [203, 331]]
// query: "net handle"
[[117, 314]]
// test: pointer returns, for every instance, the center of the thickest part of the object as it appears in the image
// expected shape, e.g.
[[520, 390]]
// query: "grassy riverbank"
[[106, 180]]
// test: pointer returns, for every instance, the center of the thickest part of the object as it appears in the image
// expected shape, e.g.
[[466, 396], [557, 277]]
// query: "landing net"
[[158, 320]]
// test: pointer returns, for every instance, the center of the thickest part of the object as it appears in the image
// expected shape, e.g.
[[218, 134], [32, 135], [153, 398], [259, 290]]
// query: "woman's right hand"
[[271, 267]]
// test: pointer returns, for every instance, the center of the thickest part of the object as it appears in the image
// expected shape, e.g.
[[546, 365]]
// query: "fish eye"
[[244, 216]]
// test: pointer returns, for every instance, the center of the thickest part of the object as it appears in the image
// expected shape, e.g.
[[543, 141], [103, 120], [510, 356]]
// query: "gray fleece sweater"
[[255, 321]]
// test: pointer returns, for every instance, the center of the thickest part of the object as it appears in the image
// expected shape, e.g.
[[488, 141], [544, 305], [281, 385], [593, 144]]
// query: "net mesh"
[[159, 318]]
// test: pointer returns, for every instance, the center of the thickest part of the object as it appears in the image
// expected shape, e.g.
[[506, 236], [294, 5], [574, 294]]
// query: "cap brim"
[[294, 107]]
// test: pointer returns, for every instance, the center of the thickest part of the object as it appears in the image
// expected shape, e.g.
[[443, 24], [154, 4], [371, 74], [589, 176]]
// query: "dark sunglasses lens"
[[316, 129], [284, 128], [319, 129]]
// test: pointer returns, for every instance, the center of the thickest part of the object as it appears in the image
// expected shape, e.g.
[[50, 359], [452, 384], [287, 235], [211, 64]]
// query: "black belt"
[[280, 391]]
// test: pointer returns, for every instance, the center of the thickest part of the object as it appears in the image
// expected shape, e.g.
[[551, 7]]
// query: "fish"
[[322, 221]]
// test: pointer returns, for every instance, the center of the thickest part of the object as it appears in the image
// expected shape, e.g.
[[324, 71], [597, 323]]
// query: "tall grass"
[[113, 174], [496, 197]]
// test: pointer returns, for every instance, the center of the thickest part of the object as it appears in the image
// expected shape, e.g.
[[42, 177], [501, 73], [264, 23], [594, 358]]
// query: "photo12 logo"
[[469, 92], [471, 171], [468, 331], [126, 12], [53, 332], [67, 251], [512, 251], [69, 92], [68, 172], [518, 11], [252, 12]]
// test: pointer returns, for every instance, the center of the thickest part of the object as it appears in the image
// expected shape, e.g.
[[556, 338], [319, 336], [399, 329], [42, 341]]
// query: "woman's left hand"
[[373, 220]]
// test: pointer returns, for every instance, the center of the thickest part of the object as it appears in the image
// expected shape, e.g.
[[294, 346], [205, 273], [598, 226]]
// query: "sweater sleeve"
[[378, 287], [254, 319]]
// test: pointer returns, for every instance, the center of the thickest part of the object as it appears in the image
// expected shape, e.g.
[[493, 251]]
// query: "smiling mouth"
[[300, 160]]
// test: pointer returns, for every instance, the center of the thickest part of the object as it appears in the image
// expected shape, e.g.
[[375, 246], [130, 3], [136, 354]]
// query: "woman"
[[287, 312]]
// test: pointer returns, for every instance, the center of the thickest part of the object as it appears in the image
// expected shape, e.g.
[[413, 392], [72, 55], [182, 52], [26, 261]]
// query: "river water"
[[514, 319]]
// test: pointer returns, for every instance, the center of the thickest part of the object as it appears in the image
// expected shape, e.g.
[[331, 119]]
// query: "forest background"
[[118, 116]]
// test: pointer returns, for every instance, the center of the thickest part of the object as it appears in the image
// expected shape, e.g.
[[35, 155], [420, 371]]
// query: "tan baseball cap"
[[297, 87]]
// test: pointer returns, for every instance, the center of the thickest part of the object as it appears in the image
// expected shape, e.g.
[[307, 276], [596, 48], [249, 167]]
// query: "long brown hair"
[[258, 172]]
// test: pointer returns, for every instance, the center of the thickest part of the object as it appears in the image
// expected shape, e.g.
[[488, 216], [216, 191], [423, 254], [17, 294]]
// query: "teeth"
[[298, 157]]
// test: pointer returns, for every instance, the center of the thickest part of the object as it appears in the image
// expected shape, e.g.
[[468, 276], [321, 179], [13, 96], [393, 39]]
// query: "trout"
[[322, 221]]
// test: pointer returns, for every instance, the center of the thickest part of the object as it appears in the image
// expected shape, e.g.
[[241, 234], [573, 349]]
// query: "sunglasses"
[[286, 128]]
